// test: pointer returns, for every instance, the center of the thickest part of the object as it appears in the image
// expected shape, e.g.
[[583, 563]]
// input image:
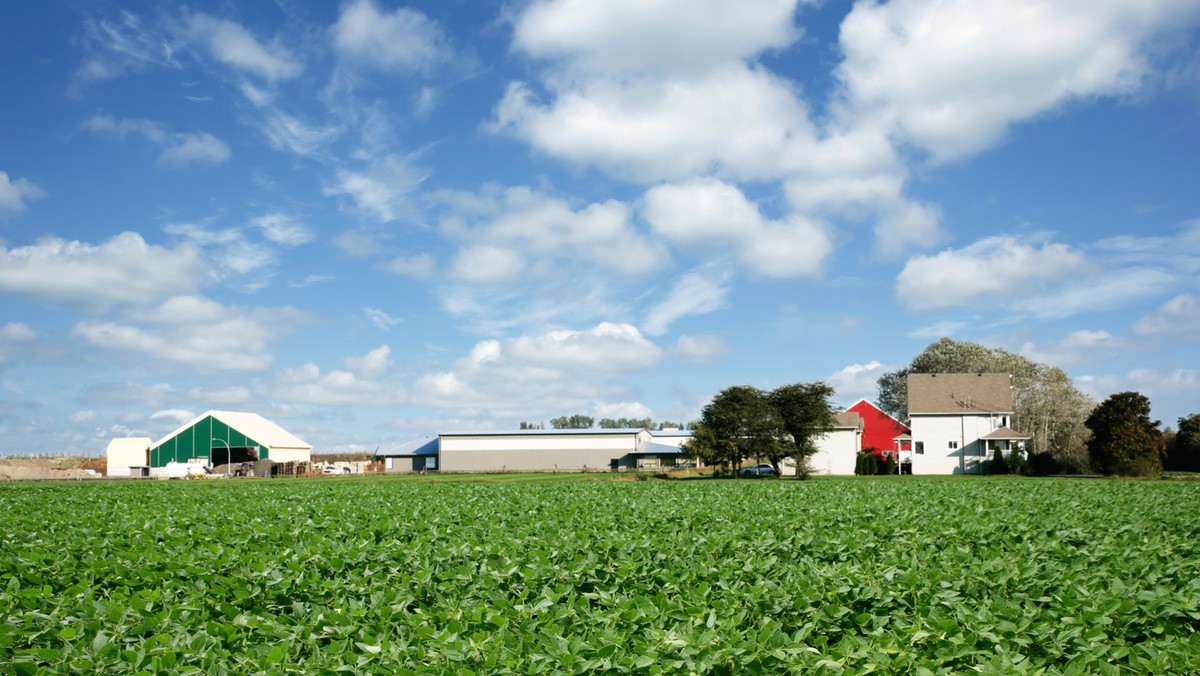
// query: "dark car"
[[764, 469]]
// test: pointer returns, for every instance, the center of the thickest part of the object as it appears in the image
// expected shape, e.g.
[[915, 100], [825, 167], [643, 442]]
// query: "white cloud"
[[79, 417], [714, 212], [179, 149], [15, 193], [195, 148], [375, 364], [402, 40], [419, 266], [996, 269], [1166, 380], [857, 381], [122, 270], [283, 229], [735, 121], [548, 231], [952, 76], [487, 264], [15, 338], [1082, 346], [356, 244], [382, 191], [197, 332], [1177, 318], [222, 396], [1104, 291], [363, 382], [706, 348], [114, 47], [607, 347], [233, 45], [671, 37], [381, 319], [178, 416], [945, 327], [285, 132], [695, 293], [540, 374], [623, 409]]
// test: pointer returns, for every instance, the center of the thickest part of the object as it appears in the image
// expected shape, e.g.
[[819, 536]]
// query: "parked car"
[[330, 469], [764, 469]]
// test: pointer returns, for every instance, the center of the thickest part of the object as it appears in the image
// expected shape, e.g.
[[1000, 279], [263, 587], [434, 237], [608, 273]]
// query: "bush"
[[999, 464], [865, 465]]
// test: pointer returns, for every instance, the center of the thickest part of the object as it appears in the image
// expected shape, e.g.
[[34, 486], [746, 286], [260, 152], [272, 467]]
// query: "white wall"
[[290, 454], [533, 452], [124, 453], [837, 452], [937, 431]]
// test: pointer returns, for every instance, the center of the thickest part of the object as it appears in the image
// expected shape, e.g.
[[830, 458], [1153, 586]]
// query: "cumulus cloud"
[[197, 332], [607, 347], [857, 381], [487, 264], [1177, 318], [123, 270], [695, 293], [231, 44], [14, 193], [505, 229], [676, 37], [992, 269], [715, 212], [179, 149], [540, 373], [363, 381], [743, 122], [706, 348], [952, 76], [403, 40]]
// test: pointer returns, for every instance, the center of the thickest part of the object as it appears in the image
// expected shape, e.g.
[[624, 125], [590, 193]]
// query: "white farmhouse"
[[958, 420], [837, 449]]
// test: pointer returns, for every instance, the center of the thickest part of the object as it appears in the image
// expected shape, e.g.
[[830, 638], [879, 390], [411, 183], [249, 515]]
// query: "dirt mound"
[[45, 469]]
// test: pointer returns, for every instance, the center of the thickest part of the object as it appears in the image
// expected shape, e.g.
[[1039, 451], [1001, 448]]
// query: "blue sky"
[[372, 221]]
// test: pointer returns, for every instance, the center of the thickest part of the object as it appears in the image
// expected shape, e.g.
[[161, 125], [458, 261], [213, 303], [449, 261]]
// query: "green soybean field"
[[416, 575]]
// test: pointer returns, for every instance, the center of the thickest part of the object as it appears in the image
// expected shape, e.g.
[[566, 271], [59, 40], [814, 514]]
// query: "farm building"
[[128, 457], [221, 437], [539, 451], [419, 455], [958, 420], [837, 450], [880, 430]]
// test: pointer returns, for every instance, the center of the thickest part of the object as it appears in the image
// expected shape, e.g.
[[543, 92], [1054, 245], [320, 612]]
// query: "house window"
[[919, 447], [953, 445]]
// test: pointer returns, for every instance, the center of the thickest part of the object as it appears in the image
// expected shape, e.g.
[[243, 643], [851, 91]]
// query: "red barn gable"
[[879, 428]]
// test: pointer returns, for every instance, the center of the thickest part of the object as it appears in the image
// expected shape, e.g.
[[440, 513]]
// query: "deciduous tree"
[[1048, 407], [1125, 441], [575, 422], [1183, 455]]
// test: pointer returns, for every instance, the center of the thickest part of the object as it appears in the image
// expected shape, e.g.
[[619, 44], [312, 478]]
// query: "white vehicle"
[[330, 469]]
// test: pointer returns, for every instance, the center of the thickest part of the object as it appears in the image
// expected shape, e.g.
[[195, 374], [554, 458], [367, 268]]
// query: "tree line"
[[584, 422]]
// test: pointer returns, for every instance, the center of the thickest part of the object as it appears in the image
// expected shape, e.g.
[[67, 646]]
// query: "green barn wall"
[[196, 441]]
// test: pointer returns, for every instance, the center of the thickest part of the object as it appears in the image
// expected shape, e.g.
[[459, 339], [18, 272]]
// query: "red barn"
[[879, 429]]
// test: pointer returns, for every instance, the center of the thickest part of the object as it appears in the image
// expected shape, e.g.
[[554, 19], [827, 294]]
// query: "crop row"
[[402, 576]]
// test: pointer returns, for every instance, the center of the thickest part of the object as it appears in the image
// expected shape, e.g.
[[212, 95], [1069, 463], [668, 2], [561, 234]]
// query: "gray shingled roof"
[[848, 419], [959, 393]]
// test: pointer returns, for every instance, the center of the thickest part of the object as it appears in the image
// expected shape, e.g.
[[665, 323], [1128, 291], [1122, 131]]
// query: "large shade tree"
[[744, 422], [1125, 441], [1048, 407]]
